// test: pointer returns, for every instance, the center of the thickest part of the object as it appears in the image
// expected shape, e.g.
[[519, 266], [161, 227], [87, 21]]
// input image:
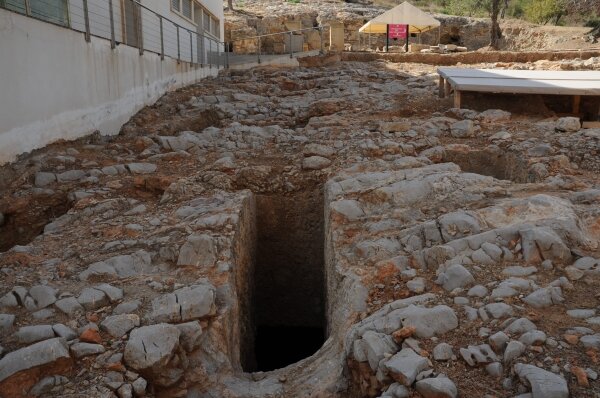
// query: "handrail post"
[[191, 48], [202, 52], [227, 47], [209, 53], [259, 49], [86, 18], [178, 46], [162, 39], [140, 30], [291, 48], [218, 55], [113, 44], [321, 35], [27, 8]]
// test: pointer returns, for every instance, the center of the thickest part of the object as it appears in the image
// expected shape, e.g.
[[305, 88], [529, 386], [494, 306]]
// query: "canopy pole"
[[369, 39], [407, 36], [387, 38]]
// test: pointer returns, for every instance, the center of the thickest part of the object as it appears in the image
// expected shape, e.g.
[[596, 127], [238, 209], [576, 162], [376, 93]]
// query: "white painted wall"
[[54, 85]]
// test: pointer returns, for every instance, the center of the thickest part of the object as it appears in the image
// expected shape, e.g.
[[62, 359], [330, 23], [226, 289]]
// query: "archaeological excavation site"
[[358, 224]]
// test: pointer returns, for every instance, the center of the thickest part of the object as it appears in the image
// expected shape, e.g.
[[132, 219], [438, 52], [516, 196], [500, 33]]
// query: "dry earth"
[[343, 214]]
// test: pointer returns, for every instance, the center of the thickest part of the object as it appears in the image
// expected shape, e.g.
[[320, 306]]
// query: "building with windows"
[[71, 67]]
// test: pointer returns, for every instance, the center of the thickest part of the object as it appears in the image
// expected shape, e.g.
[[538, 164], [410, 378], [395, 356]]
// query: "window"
[[193, 11], [55, 11], [14, 5], [197, 14], [186, 8], [183, 8], [215, 28], [130, 17], [206, 22]]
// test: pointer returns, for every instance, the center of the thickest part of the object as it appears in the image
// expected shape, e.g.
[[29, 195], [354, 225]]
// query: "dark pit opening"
[[288, 306], [532, 104], [279, 346], [500, 165], [23, 219]]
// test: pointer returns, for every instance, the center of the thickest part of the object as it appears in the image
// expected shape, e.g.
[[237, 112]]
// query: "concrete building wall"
[[55, 85]]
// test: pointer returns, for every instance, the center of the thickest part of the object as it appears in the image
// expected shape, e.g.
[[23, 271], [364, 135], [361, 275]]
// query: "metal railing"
[[126, 22], [292, 42]]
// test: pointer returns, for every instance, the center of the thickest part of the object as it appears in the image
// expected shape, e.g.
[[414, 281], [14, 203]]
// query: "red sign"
[[398, 31]]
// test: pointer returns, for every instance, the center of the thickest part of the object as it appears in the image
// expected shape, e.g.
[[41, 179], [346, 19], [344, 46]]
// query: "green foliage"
[[593, 22], [537, 11], [516, 8], [471, 8], [544, 11], [294, 1]]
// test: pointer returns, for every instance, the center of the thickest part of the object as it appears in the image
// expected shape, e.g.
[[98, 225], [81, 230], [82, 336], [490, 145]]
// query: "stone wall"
[[237, 28], [470, 32], [473, 33]]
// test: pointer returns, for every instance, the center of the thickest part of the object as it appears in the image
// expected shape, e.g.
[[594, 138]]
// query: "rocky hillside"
[[272, 16]]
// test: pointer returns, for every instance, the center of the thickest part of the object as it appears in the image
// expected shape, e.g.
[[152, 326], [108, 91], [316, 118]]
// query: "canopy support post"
[[387, 38], [457, 99], [576, 104], [407, 36]]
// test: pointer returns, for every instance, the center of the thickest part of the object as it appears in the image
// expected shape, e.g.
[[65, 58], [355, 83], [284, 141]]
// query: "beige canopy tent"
[[403, 14]]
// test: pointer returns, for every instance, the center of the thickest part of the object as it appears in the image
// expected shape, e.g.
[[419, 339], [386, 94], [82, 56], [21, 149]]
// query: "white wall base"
[[54, 85]]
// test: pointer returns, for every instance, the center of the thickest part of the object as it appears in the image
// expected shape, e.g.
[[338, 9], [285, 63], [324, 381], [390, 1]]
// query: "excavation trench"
[[288, 294], [501, 165]]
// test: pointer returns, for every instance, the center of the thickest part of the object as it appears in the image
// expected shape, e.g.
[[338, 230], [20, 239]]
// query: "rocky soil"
[[461, 251]]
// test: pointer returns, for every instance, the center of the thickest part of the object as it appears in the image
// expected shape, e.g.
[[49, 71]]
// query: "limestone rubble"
[[460, 246]]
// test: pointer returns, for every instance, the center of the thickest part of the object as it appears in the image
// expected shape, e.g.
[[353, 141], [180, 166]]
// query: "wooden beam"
[[590, 125], [447, 87], [457, 99], [441, 87], [576, 104]]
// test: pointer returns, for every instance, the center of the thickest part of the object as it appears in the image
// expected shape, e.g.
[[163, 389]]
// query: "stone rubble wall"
[[264, 17]]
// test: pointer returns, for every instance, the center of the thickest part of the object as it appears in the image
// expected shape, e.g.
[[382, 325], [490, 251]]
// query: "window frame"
[[192, 19], [180, 11], [191, 3], [215, 30]]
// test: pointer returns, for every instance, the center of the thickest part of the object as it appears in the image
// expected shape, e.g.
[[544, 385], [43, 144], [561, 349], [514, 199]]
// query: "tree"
[[544, 11], [495, 33], [230, 4], [493, 8]]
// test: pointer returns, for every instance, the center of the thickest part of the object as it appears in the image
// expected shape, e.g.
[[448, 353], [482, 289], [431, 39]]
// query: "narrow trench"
[[288, 305]]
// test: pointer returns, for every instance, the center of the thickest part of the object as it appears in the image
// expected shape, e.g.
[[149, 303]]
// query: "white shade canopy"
[[403, 14]]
